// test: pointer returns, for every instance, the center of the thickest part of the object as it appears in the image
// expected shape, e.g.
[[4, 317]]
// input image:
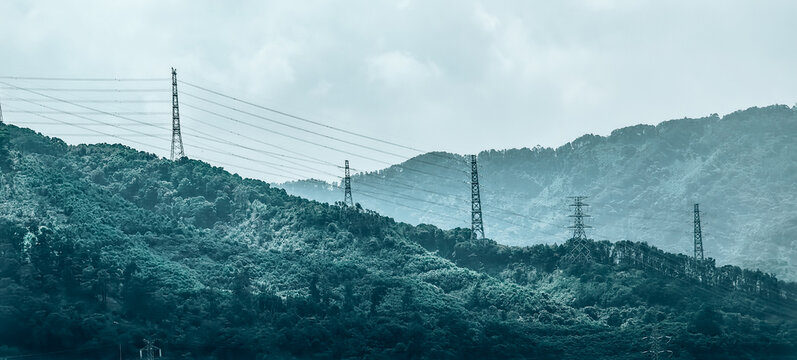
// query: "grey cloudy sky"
[[459, 76]]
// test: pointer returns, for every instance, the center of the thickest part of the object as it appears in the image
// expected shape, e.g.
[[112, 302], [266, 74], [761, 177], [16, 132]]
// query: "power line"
[[97, 131], [302, 118], [200, 147], [113, 114], [71, 103], [145, 134], [252, 159], [92, 135], [403, 185], [285, 135], [312, 142], [36, 78], [123, 138], [463, 209], [294, 126], [100, 113], [273, 164], [86, 89], [118, 137], [259, 151], [34, 91], [376, 196], [97, 101], [87, 118], [25, 122], [305, 130], [373, 196], [412, 198], [259, 141], [227, 142]]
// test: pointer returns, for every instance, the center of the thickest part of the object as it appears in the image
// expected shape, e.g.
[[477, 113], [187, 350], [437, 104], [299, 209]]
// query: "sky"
[[459, 76]]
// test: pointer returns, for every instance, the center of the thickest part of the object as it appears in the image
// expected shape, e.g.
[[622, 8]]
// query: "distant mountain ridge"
[[642, 181]]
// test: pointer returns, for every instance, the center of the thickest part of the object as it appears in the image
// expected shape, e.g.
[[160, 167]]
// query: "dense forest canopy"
[[103, 246], [642, 181]]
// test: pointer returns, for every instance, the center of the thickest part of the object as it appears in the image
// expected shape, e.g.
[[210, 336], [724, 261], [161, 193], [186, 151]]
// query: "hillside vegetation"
[[642, 181], [103, 245]]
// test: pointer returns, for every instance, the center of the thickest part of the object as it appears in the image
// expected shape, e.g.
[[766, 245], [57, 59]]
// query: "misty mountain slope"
[[102, 245], [642, 181]]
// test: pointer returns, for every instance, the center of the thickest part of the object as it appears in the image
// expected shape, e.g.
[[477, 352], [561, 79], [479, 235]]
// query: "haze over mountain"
[[642, 182], [102, 246]]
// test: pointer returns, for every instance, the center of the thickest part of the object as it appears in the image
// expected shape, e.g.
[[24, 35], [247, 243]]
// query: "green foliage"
[[706, 321], [101, 245]]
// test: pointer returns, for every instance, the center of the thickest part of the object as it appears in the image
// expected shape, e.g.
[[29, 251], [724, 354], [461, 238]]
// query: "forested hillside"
[[642, 182], [103, 245]]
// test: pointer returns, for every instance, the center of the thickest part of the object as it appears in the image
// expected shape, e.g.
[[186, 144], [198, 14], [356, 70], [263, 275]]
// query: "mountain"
[[102, 246], [642, 182]]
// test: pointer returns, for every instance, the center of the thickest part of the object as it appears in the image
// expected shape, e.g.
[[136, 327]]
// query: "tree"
[[707, 321], [5, 155]]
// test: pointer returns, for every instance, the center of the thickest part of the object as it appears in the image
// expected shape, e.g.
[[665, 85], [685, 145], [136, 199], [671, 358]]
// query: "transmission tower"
[[347, 187], [580, 251], [1, 113], [658, 345], [698, 235], [148, 351], [177, 138], [477, 226]]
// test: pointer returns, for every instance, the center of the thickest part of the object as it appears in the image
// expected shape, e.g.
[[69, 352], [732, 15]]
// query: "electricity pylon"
[[148, 351], [658, 345], [177, 139], [477, 225], [347, 186], [698, 235], [580, 251]]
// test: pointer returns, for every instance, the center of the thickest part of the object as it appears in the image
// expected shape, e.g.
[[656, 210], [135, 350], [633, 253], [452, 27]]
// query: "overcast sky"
[[459, 76]]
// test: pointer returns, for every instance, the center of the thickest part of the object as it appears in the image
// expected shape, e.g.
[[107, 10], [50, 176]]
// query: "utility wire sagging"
[[216, 125]]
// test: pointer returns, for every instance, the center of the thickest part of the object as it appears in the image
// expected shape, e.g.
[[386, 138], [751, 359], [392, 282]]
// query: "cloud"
[[397, 69], [270, 69], [485, 74]]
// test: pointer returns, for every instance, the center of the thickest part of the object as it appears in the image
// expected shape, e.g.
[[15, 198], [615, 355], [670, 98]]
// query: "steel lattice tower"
[[177, 138], [698, 235], [148, 351], [1, 113], [580, 251], [347, 186], [477, 225], [658, 345]]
